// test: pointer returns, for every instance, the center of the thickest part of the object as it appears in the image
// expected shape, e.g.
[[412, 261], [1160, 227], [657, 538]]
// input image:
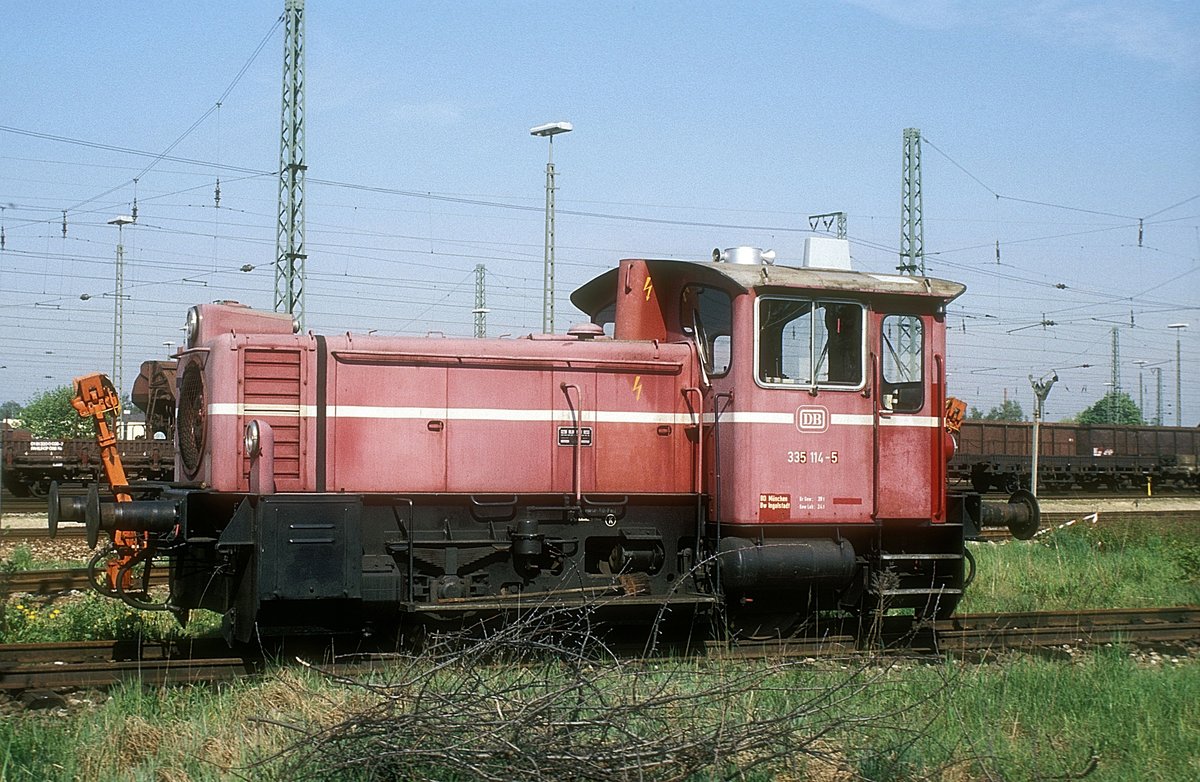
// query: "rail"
[[51, 581], [104, 663]]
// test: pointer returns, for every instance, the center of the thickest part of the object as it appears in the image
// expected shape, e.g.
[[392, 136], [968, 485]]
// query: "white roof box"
[[825, 252]]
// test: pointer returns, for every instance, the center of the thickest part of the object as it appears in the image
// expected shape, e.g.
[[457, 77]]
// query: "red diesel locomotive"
[[726, 432]]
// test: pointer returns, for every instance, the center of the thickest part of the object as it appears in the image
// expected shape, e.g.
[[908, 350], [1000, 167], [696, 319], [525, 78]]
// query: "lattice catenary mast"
[[481, 309], [912, 246], [289, 237], [912, 226]]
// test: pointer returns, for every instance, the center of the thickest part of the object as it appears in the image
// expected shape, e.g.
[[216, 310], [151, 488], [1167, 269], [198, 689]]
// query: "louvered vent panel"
[[272, 391]]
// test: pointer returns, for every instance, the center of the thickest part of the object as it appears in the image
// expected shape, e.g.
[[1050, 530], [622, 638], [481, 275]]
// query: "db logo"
[[812, 418]]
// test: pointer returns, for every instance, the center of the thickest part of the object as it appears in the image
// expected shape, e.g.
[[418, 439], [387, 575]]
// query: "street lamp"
[[120, 221], [549, 131], [1141, 365], [1179, 327]]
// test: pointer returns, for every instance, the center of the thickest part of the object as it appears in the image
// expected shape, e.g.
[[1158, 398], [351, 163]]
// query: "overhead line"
[[161, 156], [991, 190]]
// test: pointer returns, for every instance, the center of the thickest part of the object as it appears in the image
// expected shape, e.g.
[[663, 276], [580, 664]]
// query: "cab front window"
[[707, 317], [810, 343]]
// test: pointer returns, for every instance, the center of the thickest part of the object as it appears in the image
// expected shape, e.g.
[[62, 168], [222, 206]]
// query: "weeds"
[[21, 559], [88, 616]]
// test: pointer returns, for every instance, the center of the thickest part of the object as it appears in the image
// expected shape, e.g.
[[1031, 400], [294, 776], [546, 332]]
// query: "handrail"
[[940, 436], [577, 415], [698, 411]]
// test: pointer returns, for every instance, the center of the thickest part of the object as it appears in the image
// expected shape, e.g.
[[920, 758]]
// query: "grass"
[[177, 734], [1080, 567], [1025, 718], [1028, 719], [22, 558]]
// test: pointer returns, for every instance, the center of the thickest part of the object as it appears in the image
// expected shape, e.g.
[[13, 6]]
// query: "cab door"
[[905, 421], [804, 419]]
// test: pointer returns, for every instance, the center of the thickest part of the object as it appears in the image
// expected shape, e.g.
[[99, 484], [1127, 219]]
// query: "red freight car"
[[733, 432]]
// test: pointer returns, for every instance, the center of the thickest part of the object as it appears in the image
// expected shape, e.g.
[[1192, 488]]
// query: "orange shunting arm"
[[956, 411], [96, 398]]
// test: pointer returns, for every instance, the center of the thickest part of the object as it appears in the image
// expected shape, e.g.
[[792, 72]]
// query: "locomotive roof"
[[597, 293]]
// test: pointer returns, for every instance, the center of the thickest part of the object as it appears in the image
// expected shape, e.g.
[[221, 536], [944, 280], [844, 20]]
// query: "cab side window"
[[607, 319], [707, 317], [902, 373], [814, 343]]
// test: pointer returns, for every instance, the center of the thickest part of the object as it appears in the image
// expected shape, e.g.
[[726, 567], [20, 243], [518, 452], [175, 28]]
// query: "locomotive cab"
[[823, 450]]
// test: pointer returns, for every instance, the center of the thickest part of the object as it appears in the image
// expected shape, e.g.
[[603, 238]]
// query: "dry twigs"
[[542, 697]]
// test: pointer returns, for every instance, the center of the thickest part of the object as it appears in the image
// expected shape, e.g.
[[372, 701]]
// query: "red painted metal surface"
[[378, 414], [452, 415]]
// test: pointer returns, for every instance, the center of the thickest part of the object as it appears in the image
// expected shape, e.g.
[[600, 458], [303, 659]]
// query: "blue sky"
[[697, 125]]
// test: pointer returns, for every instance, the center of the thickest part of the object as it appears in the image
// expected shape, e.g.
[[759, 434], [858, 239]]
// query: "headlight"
[[250, 440], [192, 327]]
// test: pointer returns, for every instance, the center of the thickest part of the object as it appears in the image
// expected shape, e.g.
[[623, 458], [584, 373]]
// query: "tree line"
[[1115, 407]]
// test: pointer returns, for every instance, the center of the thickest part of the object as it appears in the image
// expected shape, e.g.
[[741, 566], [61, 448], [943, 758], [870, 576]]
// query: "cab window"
[[707, 318], [607, 319], [810, 342], [902, 373]]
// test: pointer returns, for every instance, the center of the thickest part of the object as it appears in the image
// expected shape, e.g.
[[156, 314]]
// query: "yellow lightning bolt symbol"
[[637, 387], [647, 287]]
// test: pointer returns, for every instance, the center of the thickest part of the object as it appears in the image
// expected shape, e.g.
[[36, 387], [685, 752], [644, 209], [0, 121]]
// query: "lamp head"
[[551, 129]]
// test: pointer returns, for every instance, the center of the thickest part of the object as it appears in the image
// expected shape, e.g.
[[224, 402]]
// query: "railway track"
[[22, 505], [997, 632], [47, 582], [40, 533], [983, 632], [104, 663]]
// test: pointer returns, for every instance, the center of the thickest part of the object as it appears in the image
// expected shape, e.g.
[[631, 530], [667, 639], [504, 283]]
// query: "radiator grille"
[[191, 416]]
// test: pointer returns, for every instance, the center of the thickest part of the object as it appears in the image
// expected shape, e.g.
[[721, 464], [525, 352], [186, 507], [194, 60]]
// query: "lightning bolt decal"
[[648, 286], [637, 387]]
